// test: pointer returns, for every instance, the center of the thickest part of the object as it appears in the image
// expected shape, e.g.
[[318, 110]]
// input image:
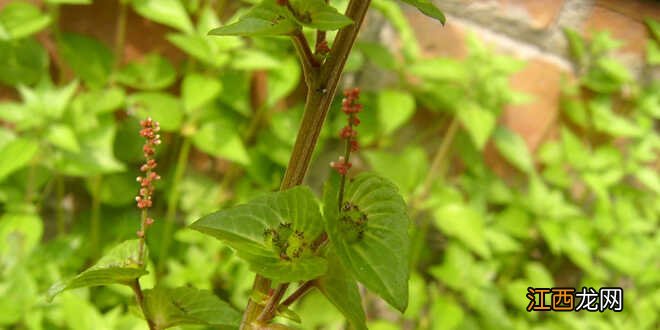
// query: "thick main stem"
[[321, 89]]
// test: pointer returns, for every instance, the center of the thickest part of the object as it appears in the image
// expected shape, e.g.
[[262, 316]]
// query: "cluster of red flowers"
[[351, 108], [149, 131]]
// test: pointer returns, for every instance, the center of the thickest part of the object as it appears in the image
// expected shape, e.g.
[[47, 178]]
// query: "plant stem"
[[139, 299], [301, 291], [95, 225], [120, 34], [271, 307], [321, 89], [437, 169], [172, 202], [59, 210]]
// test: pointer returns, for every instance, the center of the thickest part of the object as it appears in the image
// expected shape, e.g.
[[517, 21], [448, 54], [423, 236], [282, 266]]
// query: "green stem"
[[438, 165], [321, 88], [139, 299], [173, 201], [59, 210], [120, 34], [95, 224]]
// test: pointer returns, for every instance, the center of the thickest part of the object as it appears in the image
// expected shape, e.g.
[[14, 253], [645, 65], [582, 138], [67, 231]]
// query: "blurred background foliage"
[[581, 211]]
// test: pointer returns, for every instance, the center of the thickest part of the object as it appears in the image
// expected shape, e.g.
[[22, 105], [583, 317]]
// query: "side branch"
[[309, 62]]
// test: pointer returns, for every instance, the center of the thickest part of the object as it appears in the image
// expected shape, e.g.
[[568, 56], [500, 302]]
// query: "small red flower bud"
[[354, 146], [140, 234], [149, 221]]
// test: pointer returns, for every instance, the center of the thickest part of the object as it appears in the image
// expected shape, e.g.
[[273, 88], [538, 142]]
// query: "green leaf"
[[118, 266], [96, 154], [48, 102], [317, 14], [167, 12], [198, 90], [162, 107], [23, 62], [167, 308], [654, 27], [478, 122], [339, 286], [273, 233], [90, 59], [577, 45], [221, 139], [514, 149], [379, 55], [428, 8], [265, 19], [395, 108], [20, 19], [464, 223], [62, 136], [389, 165], [538, 276], [605, 120], [370, 235], [102, 101], [254, 59], [154, 72], [16, 154]]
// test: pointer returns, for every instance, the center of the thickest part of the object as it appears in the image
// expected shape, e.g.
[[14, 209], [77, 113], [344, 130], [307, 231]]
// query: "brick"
[[540, 14], [623, 21], [533, 121]]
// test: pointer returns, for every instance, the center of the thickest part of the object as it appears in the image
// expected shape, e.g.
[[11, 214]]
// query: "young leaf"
[[394, 109], [168, 12], [465, 224], [478, 122], [317, 14], [198, 90], [273, 233], [428, 8], [162, 107], [370, 235], [221, 139], [339, 286], [154, 72], [62, 136], [20, 151], [19, 20], [185, 305], [265, 19], [118, 266], [514, 149]]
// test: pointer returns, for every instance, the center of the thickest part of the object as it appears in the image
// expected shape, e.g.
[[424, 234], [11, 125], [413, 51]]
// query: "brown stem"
[[271, 307], [309, 62], [139, 298], [120, 34], [321, 92], [321, 89], [301, 291]]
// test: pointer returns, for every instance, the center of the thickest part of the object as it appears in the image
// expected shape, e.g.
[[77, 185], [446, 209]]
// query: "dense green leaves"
[[167, 308], [273, 233], [163, 107], [221, 139], [478, 122], [198, 90], [370, 235], [118, 266]]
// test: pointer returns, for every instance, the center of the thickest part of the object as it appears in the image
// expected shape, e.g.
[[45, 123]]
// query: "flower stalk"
[[149, 131]]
